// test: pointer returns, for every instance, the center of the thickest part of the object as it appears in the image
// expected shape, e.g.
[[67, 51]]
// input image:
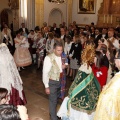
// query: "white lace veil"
[[9, 76]]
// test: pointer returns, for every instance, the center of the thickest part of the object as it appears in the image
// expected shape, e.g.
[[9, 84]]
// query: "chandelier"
[[57, 1]]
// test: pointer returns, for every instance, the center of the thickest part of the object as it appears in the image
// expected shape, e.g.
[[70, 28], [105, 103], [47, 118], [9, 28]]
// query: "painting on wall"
[[14, 4], [86, 6]]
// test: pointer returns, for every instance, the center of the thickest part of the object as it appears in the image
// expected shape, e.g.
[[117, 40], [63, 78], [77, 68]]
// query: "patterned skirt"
[[22, 57], [74, 64]]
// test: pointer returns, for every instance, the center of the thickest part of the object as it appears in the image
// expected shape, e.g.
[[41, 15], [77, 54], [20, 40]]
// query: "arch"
[[55, 16], [6, 16]]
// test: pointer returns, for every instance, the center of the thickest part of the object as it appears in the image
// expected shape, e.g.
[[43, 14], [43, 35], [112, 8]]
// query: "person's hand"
[[47, 90], [63, 66]]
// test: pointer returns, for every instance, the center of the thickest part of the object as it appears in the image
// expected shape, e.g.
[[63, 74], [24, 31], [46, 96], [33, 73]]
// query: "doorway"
[[55, 16]]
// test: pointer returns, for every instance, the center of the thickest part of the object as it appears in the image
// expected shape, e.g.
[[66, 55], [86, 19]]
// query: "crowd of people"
[[85, 56]]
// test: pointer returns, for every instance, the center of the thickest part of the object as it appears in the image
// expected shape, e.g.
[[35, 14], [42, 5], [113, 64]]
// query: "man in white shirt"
[[52, 69], [113, 39]]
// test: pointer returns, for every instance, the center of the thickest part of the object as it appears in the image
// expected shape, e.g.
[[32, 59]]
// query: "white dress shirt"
[[46, 68], [62, 36], [67, 47], [115, 43]]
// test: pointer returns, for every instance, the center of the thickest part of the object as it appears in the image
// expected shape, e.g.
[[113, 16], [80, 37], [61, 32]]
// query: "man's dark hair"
[[31, 30], [57, 44], [9, 112], [3, 93], [100, 58]]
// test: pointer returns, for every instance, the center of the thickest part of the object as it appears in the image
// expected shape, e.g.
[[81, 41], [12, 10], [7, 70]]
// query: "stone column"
[[30, 14], [69, 13], [39, 12]]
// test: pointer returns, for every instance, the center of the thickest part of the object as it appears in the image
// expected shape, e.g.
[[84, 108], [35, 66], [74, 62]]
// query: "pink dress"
[[22, 55]]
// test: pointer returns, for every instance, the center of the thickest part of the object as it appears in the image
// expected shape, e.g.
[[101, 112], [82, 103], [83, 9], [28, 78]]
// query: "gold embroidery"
[[87, 101]]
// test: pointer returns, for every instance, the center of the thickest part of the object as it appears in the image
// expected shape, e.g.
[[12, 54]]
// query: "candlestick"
[[107, 18], [111, 19]]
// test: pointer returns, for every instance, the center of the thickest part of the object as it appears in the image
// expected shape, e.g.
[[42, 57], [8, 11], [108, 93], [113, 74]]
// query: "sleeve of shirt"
[[116, 44], [46, 68], [65, 48]]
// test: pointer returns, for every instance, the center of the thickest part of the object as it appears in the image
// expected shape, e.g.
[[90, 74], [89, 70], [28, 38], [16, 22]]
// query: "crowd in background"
[[31, 46]]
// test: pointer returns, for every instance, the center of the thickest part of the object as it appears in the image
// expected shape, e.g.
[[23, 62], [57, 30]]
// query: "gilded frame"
[[14, 4], [86, 6]]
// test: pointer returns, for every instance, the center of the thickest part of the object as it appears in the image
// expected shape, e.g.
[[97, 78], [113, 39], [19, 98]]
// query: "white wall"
[[48, 7], [85, 18]]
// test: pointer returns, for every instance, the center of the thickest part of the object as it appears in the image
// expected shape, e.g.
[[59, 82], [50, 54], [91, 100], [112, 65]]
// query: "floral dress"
[[40, 48]]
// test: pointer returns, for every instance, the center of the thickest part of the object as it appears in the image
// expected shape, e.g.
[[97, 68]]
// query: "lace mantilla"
[[85, 69], [9, 76]]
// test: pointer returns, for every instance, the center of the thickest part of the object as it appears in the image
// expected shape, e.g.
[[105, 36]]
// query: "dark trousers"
[[53, 98]]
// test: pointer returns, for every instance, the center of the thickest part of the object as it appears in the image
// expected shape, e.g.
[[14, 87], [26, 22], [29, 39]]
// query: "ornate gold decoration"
[[88, 53], [57, 1]]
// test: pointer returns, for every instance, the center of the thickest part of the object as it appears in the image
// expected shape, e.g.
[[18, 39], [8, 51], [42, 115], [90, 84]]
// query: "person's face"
[[39, 35], [5, 28], [92, 29], [32, 33], [99, 42], [54, 25], [74, 40], [62, 31], [104, 31], [5, 100], [85, 38], [23, 25], [67, 32], [46, 29], [110, 34], [18, 35], [96, 32], [58, 50], [87, 27]]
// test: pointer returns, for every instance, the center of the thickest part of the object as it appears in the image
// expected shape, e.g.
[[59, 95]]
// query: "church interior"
[[40, 14]]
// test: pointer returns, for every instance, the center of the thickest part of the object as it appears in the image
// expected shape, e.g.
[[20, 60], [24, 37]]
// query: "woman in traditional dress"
[[84, 91], [108, 107], [22, 55], [99, 69], [41, 43], [10, 78], [50, 43], [7, 38]]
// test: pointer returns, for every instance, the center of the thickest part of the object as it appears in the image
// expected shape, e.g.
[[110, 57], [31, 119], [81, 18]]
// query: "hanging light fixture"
[[57, 1]]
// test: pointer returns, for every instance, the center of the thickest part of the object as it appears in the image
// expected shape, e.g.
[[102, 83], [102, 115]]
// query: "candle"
[[111, 19], [104, 19], [107, 18]]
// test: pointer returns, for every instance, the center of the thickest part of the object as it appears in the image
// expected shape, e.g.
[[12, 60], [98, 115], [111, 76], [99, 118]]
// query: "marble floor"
[[37, 100]]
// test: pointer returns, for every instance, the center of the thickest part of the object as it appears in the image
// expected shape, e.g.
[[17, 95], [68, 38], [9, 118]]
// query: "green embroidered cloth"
[[84, 92]]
